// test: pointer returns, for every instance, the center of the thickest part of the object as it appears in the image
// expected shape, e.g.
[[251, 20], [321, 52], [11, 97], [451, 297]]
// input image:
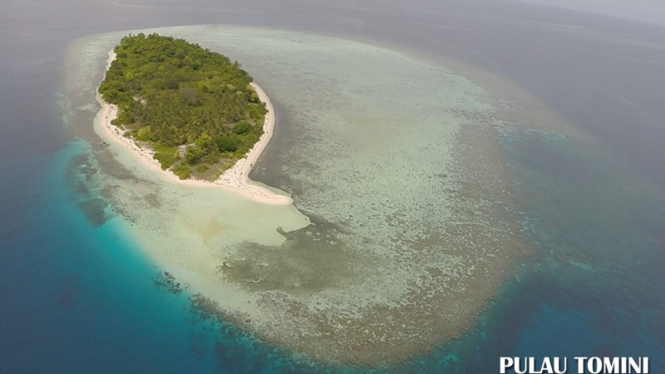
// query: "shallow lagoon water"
[[603, 300]]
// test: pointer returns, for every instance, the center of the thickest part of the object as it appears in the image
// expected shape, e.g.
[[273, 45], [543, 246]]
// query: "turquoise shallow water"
[[591, 289]]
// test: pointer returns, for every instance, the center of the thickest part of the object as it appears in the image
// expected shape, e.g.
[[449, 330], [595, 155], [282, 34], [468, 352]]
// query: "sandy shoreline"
[[235, 178]]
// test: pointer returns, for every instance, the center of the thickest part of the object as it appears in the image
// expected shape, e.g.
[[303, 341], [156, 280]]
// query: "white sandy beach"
[[235, 178]]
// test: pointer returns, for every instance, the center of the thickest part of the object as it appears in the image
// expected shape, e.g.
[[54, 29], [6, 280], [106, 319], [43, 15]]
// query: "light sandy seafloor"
[[403, 224], [235, 178]]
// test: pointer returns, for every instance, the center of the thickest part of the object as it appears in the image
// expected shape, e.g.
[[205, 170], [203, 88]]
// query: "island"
[[191, 111], [405, 228]]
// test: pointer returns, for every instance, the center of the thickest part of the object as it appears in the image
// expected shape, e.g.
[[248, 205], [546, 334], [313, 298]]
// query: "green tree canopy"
[[170, 93]]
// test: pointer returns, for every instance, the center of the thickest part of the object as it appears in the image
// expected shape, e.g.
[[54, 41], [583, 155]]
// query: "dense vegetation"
[[172, 93]]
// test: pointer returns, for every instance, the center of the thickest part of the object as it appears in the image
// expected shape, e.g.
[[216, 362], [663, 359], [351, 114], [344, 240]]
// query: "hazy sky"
[[652, 11]]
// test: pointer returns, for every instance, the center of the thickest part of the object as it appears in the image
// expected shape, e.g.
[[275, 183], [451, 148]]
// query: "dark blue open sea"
[[76, 297]]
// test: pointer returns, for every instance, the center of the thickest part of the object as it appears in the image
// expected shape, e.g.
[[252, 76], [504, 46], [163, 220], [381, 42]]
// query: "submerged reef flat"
[[402, 226]]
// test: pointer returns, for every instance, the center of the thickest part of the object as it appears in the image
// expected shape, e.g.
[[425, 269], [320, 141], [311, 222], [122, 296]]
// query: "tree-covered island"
[[194, 107]]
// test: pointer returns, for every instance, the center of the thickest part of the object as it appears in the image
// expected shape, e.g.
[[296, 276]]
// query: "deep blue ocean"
[[76, 297]]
